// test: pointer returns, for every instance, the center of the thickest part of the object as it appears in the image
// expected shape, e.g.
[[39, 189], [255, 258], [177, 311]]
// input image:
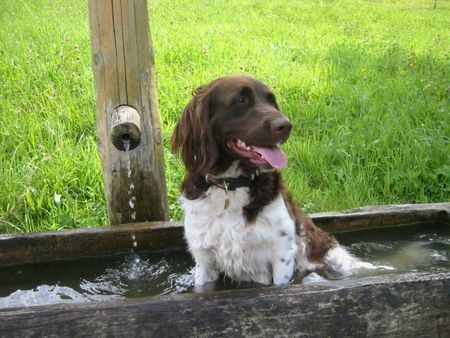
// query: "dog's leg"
[[283, 263], [339, 263], [282, 270], [205, 268]]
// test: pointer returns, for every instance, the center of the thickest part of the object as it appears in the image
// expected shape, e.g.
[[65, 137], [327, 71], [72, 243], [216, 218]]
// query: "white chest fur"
[[264, 251], [221, 240]]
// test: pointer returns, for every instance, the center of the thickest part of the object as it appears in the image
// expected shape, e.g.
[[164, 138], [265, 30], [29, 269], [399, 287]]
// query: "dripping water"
[[126, 140], [136, 258], [134, 269]]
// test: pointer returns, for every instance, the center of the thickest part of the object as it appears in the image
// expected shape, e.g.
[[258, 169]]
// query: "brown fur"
[[319, 242], [216, 112], [193, 136], [264, 190]]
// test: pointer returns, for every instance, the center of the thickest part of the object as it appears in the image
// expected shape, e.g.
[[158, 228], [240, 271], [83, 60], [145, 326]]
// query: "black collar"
[[230, 183]]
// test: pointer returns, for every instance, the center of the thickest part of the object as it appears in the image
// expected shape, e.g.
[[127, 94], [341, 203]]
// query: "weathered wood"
[[38, 247], [58, 245], [382, 216], [125, 131], [391, 305], [123, 66], [412, 305]]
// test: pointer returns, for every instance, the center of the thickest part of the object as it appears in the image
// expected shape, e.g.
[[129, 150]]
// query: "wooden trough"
[[412, 304]]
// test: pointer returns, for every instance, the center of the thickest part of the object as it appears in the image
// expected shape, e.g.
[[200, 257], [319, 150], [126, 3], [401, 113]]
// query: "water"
[[131, 197], [402, 249], [395, 250], [99, 279]]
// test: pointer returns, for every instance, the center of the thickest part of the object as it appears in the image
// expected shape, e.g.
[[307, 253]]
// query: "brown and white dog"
[[239, 217]]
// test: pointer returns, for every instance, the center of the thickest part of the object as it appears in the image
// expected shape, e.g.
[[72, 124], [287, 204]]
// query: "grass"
[[366, 84]]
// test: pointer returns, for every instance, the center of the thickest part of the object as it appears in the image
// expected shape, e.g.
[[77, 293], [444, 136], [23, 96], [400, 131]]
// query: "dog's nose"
[[281, 128]]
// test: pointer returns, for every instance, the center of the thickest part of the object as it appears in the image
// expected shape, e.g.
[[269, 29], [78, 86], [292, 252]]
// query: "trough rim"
[[440, 210], [28, 248]]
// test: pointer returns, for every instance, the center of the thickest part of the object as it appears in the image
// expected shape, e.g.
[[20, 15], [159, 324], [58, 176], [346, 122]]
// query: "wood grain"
[[383, 216], [123, 66], [405, 305], [48, 246], [412, 305]]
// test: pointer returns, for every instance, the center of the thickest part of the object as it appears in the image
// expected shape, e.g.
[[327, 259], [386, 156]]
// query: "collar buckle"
[[230, 183]]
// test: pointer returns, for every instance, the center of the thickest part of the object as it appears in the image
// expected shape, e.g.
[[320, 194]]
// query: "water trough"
[[409, 304]]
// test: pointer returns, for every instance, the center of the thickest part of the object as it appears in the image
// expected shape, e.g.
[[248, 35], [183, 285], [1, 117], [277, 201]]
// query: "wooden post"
[[127, 112]]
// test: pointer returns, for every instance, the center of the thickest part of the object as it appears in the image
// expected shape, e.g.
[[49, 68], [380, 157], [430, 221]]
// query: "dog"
[[239, 218]]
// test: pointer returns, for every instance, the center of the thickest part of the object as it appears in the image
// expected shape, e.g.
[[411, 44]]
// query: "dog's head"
[[231, 118]]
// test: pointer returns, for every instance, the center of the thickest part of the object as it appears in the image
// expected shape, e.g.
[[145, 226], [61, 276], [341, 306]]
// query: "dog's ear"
[[193, 137]]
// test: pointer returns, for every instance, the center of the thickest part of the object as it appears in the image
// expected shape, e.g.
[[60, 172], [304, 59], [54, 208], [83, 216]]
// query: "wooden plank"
[[413, 305], [154, 178], [382, 216], [37, 247], [101, 78], [118, 29], [123, 67], [51, 246], [132, 54]]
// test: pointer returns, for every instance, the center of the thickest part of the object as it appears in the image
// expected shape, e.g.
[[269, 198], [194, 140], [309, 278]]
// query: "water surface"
[[393, 250]]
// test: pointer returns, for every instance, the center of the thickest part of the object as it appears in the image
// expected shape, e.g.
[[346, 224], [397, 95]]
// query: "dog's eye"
[[271, 98], [243, 99]]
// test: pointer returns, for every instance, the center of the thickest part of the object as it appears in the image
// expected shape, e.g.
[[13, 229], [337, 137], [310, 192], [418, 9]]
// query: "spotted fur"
[[254, 233]]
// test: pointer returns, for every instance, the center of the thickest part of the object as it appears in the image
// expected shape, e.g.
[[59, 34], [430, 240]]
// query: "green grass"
[[366, 84]]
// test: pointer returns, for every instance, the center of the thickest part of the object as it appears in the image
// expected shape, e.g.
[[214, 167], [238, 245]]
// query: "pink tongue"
[[274, 156]]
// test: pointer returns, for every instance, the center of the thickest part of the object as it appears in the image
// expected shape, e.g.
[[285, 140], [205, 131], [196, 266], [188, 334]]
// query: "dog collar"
[[231, 183]]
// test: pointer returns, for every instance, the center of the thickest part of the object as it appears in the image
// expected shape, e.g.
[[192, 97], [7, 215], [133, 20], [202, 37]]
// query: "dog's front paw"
[[206, 287], [283, 271], [205, 274]]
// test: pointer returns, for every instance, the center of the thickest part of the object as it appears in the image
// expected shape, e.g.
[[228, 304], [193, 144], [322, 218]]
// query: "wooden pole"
[[127, 112]]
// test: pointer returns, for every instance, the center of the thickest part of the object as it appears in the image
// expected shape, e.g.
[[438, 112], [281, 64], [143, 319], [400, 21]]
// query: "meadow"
[[366, 84]]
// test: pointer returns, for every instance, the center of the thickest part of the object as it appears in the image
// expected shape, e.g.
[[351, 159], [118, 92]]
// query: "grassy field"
[[366, 84]]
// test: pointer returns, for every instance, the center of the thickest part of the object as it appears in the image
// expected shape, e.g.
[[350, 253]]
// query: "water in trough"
[[141, 274]]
